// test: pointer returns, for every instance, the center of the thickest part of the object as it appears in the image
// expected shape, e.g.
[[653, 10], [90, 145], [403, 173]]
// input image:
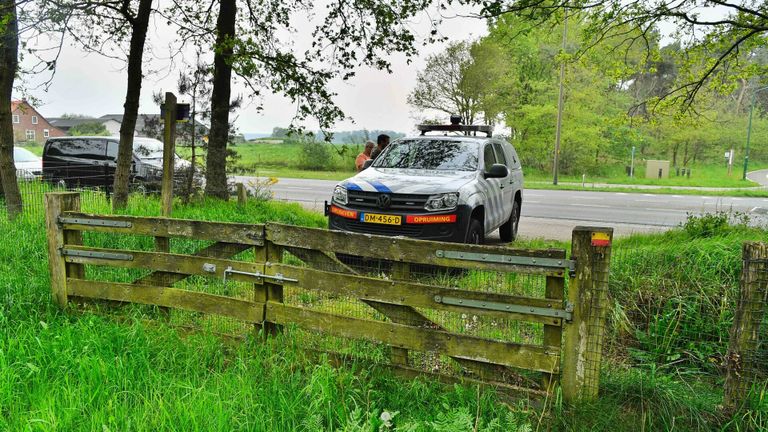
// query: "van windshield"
[[430, 154], [147, 148]]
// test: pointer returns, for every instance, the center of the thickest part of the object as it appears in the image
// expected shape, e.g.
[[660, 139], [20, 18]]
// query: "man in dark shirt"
[[382, 141]]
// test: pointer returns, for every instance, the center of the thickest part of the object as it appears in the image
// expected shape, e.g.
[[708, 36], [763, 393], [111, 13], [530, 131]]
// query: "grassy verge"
[[65, 371], [755, 193], [701, 176]]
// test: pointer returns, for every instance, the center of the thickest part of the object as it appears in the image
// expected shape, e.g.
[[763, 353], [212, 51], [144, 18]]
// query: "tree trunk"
[[139, 27], [216, 163], [9, 49], [674, 154]]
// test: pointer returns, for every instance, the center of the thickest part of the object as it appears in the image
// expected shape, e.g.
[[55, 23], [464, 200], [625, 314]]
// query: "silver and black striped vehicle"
[[453, 186]]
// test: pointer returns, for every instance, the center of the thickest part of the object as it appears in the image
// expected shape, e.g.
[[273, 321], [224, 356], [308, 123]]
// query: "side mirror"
[[497, 171], [367, 163]]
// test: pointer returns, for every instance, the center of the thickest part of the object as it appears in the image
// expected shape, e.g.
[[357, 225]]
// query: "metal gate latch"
[[566, 314], [278, 277]]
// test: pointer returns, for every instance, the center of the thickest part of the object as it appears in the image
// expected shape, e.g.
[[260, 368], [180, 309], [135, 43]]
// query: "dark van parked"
[[91, 161]]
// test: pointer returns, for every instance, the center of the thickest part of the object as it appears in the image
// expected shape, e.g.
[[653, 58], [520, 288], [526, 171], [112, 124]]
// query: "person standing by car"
[[382, 141], [364, 156]]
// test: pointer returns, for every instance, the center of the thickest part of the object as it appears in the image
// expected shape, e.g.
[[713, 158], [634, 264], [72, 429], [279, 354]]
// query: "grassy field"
[[68, 371]]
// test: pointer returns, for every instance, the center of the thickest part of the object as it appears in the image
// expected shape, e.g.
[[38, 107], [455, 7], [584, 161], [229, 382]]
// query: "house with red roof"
[[29, 126]]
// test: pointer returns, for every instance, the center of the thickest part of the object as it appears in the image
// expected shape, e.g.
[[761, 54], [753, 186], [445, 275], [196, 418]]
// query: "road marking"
[[640, 200], [591, 205], [532, 202], [648, 195], [620, 193]]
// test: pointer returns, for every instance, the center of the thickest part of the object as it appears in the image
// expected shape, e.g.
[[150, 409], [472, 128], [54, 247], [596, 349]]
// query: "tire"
[[475, 232], [508, 231]]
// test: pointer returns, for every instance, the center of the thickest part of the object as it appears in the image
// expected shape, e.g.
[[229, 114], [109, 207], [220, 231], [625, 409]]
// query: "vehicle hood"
[[391, 180], [158, 163], [32, 166]]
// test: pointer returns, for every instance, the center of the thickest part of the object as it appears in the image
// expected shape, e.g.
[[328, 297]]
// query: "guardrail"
[[518, 319]]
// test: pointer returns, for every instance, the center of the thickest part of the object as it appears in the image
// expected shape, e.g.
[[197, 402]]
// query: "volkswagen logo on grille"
[[384, 201]]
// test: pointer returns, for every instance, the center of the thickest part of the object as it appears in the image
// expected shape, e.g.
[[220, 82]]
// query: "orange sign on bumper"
[[338, 211], [430, 219]]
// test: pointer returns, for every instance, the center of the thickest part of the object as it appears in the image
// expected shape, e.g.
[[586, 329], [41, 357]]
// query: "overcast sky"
[[93, 85]]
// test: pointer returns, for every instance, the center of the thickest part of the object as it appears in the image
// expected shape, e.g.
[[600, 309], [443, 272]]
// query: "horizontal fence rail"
[[517, 318]]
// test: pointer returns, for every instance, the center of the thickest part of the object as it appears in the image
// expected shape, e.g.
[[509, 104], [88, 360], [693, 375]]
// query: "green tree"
[[254, 41], [718, 34], [89, 128], [9, 45], [445, 85]]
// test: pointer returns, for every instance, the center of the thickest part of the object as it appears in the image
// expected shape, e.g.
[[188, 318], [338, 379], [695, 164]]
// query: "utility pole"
[[749, 130], [556, 160]]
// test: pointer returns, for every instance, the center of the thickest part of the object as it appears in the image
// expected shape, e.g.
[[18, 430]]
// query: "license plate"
[[381, 219]]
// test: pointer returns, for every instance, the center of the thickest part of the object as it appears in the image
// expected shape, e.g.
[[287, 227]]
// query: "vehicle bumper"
[[450, 232]]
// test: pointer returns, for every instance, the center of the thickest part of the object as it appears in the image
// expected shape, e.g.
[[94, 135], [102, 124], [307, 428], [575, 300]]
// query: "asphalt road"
[[552, 214]]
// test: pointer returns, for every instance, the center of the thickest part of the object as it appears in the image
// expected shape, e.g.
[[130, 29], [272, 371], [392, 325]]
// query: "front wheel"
[[508, 231], [475, 232]]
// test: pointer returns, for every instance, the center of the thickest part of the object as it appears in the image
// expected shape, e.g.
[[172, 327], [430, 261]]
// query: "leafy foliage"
[[89, 128]]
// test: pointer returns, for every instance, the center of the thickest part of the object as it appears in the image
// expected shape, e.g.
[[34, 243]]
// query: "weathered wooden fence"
[[747, 360], [514, 318]]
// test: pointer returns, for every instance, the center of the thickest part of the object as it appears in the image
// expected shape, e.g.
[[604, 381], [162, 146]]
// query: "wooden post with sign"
[[588, 297], [169, 152], [163, 244]]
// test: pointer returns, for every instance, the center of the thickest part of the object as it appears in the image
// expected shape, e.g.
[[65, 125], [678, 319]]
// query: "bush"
[[315, 156], [713, 224]]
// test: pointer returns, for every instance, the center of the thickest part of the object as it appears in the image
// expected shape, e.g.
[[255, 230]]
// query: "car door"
[[93, 155], [494, 210], [507, 184]]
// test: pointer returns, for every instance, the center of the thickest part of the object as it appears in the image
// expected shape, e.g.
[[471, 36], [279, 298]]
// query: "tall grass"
[[68, 371]]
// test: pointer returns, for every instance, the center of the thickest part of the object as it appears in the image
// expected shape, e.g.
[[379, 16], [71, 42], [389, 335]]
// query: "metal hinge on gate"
[[566, 314], [278, 277], [558, 263], [97, 254], [94, 222]]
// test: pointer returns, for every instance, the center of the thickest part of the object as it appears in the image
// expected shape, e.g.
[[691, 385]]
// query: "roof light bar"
[[486, 129]]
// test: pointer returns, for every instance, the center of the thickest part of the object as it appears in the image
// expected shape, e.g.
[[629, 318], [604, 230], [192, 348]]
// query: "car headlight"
[[447, 201], [340, 195]]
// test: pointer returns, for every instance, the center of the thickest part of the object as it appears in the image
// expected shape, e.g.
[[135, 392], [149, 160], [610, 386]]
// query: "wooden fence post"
[[169, 152], [588, 296], [242, 196], [57, 203], [745, 331]]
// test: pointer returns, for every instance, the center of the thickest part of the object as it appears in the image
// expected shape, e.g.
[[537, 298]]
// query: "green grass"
[[701, 176], [754, 193], [68, 371]]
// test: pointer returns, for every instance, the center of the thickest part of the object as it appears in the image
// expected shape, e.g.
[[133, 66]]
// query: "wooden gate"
[[514, 318]]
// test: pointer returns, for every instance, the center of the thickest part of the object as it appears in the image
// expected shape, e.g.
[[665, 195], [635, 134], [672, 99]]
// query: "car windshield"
[[147, 148], [23, 155], [430, 154]]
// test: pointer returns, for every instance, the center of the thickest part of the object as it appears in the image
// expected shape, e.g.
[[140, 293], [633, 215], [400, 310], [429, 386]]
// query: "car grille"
[[367, 200], [388, 230]]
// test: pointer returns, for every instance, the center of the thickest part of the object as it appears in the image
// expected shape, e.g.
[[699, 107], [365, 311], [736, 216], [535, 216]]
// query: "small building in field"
[[29, 126]]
